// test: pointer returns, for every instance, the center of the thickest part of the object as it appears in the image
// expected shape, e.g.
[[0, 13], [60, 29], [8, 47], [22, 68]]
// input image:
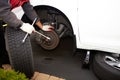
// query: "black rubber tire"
[[103, 70], [20, 54]]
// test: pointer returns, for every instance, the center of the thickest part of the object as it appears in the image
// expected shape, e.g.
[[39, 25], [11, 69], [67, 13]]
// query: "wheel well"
[[43, 12]]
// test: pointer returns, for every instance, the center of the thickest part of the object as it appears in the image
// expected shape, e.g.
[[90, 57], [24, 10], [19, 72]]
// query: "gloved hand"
[[26, 27], [47, 28]]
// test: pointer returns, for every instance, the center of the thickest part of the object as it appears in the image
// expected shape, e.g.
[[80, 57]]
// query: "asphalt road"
[[60, 62]]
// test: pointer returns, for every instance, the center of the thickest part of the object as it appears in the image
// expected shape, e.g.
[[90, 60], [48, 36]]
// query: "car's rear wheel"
[[20, 54]]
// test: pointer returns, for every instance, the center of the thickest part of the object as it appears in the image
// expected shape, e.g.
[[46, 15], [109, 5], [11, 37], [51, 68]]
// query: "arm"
[[8, 16], [31, 14]]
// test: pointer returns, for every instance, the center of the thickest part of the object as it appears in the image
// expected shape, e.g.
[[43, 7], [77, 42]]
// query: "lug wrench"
[[42, 35], [35, 32], [28, 33]]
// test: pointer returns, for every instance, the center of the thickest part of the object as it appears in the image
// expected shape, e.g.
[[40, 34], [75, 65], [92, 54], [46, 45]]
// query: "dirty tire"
[[103, 70], [20, 54]]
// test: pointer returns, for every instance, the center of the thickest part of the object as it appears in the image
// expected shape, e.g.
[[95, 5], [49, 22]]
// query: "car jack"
[[86, 60]]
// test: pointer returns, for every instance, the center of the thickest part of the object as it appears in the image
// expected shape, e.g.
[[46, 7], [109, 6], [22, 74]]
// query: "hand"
[[26, 27], [47, 28]]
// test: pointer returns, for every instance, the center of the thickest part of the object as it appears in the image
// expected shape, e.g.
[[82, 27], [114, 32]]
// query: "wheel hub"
[[112, 62], [48, 44]]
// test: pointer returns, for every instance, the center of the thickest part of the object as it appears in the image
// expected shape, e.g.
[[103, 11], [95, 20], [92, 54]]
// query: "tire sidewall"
[[103, 70], [20, 54]]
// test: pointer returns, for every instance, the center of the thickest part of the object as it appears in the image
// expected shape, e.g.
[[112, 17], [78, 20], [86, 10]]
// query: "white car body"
[[96, 23]]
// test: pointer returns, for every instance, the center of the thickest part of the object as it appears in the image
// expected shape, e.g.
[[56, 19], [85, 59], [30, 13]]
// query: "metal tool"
[[35, 32], [42, 35], [28, 33]]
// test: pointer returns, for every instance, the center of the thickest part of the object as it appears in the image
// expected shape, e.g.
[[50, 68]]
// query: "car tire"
[[20, 54], [103, 70]]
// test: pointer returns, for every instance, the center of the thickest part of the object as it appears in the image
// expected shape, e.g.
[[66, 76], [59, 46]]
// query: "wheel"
[[106, 66], [20, 54], [45, 43]]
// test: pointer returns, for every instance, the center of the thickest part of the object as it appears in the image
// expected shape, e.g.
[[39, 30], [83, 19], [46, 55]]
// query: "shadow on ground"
[[60, 62]]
